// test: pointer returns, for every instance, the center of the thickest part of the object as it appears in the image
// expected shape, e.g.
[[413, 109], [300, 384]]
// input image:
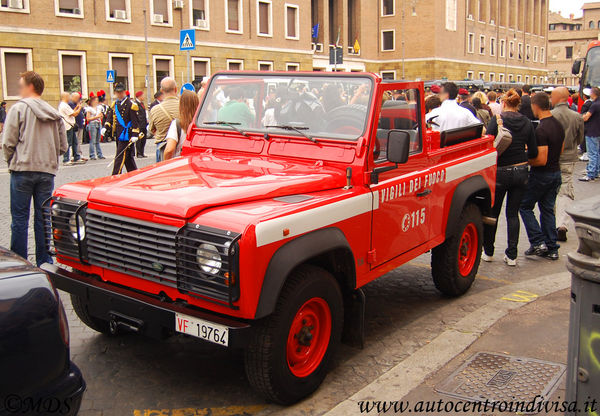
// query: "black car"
[[37, 376]]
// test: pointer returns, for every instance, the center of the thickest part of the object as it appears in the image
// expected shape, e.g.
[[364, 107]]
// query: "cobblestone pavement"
[[133, 375]]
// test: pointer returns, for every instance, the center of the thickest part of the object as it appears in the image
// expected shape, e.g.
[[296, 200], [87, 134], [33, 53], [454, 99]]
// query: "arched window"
[[591, 24], [598, 24]]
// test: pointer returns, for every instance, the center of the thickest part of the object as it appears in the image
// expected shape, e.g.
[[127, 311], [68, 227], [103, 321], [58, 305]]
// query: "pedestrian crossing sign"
[[187, 40], [111, 75]]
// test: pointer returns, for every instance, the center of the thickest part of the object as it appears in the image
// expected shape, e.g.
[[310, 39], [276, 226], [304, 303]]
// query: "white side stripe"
[[469, 167], [270, 231]]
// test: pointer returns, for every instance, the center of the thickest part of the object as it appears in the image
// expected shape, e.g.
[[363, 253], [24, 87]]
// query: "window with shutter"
[[71, 73], [69, 7], [233, 15], [15, 63], [121, 65], [291, 14], [264, 12]]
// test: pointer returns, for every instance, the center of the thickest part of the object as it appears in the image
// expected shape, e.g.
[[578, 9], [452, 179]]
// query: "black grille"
[[62, 218], [139, 248], [219, 281], [166, 254]]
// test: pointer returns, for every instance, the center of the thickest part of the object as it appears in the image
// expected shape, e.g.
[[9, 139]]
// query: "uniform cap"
[[463, 91], [139, 94], [435, 89], [119, 87]]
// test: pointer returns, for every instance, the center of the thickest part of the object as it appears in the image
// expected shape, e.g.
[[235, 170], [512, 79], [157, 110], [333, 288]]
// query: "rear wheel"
[[291, 350], [454, 263], [81, 309]]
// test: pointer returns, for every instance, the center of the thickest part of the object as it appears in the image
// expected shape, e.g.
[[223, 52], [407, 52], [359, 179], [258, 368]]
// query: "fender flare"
[[291, 255], [462, 193]]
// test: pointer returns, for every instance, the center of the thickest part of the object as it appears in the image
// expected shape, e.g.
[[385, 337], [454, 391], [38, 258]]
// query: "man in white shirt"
[[68, 115], [450, 115]]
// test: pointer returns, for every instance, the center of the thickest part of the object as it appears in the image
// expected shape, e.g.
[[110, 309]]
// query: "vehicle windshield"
[[592, 70], [303, 105]]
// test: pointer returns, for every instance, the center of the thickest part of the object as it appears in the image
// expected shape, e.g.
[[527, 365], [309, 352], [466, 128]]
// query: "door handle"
[[424, 193]]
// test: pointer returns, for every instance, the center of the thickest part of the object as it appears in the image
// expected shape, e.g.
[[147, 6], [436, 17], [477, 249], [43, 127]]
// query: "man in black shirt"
[[526, 109], [463, 101], [544, 182]]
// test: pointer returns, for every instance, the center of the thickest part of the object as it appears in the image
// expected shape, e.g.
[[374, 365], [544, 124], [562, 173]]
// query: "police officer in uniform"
[[122, 124]]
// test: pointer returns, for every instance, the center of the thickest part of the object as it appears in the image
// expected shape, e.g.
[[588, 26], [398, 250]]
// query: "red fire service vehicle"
[[293, 191]]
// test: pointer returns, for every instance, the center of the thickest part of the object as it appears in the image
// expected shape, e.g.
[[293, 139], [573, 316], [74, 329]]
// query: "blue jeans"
[[593, 148], [542, 190], [72, 142], [94, 132], [23, 187]]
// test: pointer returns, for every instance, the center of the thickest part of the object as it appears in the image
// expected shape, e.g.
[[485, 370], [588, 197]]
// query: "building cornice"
[[92, 35]]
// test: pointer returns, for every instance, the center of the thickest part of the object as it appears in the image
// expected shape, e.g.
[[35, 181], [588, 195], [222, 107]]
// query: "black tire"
[[80, 308], [266, 357], [448, 276]]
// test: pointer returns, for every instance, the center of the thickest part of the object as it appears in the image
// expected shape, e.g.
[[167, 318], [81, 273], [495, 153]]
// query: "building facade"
[[568, 39], [493, 40], [72, 43]]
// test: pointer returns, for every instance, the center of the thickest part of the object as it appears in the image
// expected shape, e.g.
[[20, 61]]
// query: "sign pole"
[[189, 66]]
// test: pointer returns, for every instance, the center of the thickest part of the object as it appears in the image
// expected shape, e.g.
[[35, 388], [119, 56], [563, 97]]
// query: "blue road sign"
[[111, 74], [187, 87], [187, 40]]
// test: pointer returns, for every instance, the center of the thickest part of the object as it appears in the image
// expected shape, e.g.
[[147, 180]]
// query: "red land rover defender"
[[293, 191]]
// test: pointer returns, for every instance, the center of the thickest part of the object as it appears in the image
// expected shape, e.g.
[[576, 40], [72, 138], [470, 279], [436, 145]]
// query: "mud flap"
[[354, 320]]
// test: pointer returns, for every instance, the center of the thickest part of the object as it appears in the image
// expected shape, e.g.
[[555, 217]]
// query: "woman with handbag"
[[516, 144]]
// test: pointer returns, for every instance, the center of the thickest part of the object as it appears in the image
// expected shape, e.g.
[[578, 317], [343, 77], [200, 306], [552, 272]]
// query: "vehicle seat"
[[460, 135]]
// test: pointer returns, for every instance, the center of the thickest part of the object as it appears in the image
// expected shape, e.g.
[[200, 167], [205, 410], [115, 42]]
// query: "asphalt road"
[[133, 375]]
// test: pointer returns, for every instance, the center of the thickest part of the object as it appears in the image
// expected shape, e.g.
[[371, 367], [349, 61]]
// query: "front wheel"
[[454, 263], [81, 309], [291, 350]]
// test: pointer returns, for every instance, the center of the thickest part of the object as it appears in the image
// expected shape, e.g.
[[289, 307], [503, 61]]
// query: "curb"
[[410, 373]]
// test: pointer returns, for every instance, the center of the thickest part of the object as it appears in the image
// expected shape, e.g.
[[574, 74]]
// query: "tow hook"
[[118, 322]]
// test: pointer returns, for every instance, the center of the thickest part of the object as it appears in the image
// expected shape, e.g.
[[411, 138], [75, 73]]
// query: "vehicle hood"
[[11, 265], [184, 186]]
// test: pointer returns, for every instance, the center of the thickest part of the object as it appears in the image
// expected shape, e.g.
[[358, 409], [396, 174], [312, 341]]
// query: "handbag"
[[503, 139]]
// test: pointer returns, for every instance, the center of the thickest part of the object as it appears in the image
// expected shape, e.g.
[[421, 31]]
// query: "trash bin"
[[583, 365]]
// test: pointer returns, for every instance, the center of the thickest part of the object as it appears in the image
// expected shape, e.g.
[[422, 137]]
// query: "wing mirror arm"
[[379, 170]]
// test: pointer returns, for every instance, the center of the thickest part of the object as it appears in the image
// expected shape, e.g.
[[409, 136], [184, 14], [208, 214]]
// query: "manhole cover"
[[503, 378]]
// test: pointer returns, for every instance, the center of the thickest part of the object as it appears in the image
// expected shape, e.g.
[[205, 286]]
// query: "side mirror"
[[398, 146], [576, 69]]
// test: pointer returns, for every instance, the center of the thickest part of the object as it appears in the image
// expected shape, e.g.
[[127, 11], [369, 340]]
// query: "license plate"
[[199, 328]]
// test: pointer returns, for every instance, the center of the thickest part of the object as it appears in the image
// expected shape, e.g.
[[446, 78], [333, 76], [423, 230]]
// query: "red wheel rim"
[[467, 249], [308, 338]]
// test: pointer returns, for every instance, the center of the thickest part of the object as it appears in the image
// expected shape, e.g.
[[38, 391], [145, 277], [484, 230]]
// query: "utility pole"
[[403, 56], [147, 58]]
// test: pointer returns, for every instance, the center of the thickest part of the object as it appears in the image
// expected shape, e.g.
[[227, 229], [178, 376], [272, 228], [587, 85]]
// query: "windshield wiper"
[[296, 129], [228, 124]]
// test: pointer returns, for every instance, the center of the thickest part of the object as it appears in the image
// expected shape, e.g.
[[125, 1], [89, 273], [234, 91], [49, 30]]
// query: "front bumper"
[[137, 311]]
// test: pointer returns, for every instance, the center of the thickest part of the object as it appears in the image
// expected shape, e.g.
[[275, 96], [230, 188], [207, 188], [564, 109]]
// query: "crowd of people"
[[548, 132]]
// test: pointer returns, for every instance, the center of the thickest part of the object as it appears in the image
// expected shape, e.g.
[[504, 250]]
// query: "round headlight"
[[209, 258], [73, 227], [55, 208]]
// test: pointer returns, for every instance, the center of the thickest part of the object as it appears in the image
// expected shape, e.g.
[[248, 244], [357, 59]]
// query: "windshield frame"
[[292, 77]]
